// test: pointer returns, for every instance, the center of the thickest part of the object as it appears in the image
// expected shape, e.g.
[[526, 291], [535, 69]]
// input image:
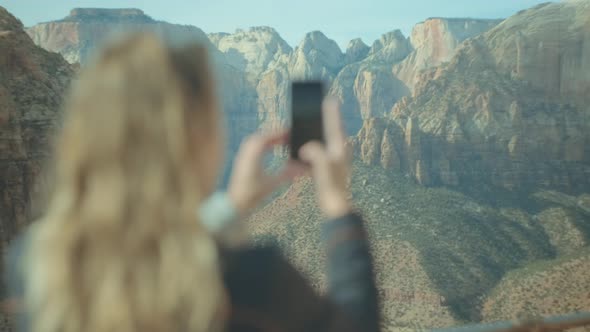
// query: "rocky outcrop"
[[369, 88], [483, 118], [435, 41], [31, 89], [550, 56], [391, 48], [376, 90], [273, 90], [316, 57], [252, 51], [356, 51], [78, 35], [216, 37]]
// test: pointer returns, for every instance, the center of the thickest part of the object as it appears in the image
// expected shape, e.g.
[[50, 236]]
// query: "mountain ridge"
[[471, 150]]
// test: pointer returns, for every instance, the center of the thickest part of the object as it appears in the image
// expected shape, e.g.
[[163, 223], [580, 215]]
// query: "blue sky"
[[340, 20]]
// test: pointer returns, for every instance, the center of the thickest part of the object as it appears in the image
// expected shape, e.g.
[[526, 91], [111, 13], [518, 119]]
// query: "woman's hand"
[[330, 164], [249, 182]]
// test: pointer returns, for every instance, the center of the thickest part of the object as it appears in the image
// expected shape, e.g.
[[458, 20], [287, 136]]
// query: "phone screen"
[[306, 109]]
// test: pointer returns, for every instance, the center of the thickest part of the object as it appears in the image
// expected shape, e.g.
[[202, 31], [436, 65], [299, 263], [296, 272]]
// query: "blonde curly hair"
[[119, 247]]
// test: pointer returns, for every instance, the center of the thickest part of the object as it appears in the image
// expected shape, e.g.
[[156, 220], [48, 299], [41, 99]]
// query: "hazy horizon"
[[367, 20]]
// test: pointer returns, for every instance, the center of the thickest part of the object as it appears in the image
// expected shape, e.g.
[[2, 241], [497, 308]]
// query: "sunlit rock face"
[[435, 42], [501, 113], [81, 34], [479, 103], [252, 51], [78, 35], [356, 51]]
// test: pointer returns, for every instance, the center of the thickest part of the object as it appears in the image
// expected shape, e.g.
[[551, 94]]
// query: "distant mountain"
[[79, 34], [252, 51], [256, 65], [435, 41]]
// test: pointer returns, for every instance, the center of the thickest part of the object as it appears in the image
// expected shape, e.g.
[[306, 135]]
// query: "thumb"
[[313, 152]]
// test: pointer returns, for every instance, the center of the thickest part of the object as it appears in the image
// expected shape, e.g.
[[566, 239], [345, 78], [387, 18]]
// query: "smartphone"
[[306, 115]]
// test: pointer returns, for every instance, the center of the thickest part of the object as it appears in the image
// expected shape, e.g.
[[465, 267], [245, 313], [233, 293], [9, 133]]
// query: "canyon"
[[471, 142]]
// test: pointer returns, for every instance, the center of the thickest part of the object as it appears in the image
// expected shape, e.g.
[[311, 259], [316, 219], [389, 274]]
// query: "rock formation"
[[496, 114], [368, 88], [252, 51], [435, 41], [316, 57], [31, 89], [78, 35], [356, 51], [391, 48]]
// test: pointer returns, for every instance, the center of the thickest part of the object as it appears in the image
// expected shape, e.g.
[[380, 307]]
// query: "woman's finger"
[[333, 128], [276, 138], [314, 153], [256, 145]]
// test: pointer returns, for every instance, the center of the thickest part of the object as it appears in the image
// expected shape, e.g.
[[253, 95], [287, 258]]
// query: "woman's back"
[[119, 247]]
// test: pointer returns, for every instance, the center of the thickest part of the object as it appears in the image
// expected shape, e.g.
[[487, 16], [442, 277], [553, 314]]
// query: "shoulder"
[[249, 272], [264, 287]]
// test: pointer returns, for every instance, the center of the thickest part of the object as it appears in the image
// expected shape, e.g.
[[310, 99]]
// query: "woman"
[[120, 247]]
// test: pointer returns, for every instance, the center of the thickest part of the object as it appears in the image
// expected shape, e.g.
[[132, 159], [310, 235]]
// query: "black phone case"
[[306, 115]]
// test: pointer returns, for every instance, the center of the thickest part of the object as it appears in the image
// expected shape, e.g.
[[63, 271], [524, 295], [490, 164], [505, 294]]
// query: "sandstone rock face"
[[356, 51], [316, 57], [252, 51], [483, 118], [377, 90], [551, 56], [78, 35], [216, 37], [435, 41], [369, 88], [391, 48], [273, 90], [31, 89]]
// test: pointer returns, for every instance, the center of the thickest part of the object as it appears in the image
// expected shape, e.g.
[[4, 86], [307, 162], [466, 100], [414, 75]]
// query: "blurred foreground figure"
[[134, 239]]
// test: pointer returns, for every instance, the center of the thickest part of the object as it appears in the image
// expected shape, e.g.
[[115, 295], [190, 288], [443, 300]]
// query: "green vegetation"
[[464, 246]]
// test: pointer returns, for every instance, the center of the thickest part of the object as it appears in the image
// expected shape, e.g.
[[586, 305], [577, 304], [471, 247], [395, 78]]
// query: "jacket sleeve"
[[351, 281], [267, 293]]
